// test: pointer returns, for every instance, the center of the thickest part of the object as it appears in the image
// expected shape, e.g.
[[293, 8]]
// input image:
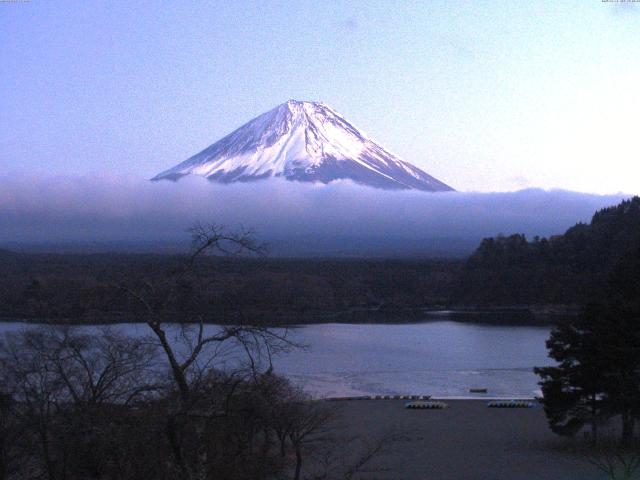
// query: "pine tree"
[[573, 391], [598, 355]]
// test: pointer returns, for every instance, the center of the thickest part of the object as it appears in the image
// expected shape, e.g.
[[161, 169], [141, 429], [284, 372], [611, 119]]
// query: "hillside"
[[83, 288], [505, 271], [562, 269]]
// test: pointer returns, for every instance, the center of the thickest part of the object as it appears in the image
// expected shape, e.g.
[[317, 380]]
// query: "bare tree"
[[189, 401], [308, 425], [185, 355], [196, 349], [33, 383], [60, 378], [617, 461], [11, 458], [104, 368]]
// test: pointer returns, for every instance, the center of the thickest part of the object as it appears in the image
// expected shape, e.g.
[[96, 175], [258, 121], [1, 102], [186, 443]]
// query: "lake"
[[439, 358]]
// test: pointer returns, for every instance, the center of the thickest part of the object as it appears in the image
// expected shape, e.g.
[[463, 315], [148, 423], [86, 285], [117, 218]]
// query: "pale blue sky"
[[484, 95]]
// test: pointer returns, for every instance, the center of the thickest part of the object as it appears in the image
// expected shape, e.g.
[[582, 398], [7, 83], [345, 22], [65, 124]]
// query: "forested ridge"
[[562, 269], [85, 288], [510, 270]]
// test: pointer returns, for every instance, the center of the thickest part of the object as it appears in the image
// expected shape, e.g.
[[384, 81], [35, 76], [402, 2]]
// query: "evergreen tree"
[[598, 355], [573, 391]]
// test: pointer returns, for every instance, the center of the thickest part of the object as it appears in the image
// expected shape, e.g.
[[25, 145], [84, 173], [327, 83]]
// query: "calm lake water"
[[442, 358]]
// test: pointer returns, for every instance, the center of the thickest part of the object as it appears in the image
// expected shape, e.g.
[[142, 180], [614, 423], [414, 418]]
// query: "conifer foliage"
[[598, 353]]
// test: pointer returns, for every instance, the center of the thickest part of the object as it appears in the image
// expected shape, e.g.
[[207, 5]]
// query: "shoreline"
[[426, 398], [506, 315], [467, 441]]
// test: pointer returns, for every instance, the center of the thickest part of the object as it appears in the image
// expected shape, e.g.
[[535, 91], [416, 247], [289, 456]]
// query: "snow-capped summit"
[[304, 141]]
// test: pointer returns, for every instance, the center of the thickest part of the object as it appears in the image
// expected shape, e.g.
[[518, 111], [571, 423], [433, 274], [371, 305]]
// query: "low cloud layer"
[[294, 217]]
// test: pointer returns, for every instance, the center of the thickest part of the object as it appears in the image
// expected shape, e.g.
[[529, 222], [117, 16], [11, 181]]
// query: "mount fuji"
[[303, 141]]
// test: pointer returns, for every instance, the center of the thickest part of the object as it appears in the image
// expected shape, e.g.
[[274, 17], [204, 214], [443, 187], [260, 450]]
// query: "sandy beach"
[[466, 441]]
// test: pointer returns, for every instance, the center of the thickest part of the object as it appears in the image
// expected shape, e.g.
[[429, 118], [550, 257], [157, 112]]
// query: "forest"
[[569, 268], [504, 271], [178, 402]]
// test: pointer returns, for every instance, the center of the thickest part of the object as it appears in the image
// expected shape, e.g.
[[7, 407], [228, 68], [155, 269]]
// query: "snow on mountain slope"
[[304, 141]]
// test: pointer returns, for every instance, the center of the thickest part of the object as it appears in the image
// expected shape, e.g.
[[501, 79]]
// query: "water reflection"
[[442, 358]]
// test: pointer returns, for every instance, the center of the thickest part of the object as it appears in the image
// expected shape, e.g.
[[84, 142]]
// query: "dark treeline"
[[504, 271], [83, 288], [597, 375], [563, 269]]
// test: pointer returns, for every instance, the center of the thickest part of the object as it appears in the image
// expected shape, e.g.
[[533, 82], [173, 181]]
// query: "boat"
[[478, 390]]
